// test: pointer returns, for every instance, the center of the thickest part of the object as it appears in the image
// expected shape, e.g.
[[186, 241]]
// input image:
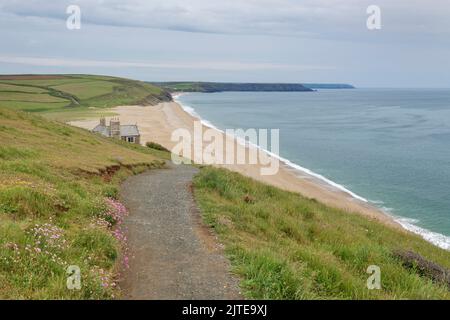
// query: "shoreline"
[[156, 124], [284, 161]]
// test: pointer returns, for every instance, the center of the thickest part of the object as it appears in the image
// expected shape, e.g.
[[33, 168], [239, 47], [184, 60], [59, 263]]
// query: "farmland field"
[[83, 91], [14, 88], [66, 97], [28, 97]]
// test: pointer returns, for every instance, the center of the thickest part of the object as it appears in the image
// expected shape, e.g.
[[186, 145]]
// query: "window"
[[130, 139]]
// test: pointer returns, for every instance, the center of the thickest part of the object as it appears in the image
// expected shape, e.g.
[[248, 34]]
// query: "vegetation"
[[58, 186], [156, 146], [220, 87], [66, 97], [285, 246]]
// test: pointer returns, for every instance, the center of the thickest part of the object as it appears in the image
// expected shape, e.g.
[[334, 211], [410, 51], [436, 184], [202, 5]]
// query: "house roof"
[[125, 130], [129, 131], [104, 130]]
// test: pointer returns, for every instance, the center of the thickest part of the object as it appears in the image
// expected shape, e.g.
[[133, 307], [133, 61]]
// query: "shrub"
[[156, 146]]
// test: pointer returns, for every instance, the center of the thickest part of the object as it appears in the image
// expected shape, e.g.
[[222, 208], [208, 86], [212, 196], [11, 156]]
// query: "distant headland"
[[269, 87]]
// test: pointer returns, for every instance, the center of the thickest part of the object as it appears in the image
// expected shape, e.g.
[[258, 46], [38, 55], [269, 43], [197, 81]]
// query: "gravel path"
[[174, 256]]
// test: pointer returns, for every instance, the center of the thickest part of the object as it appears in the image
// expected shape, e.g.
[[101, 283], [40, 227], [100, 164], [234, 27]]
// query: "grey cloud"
[[204, 65], [230, 40], [281, 17]]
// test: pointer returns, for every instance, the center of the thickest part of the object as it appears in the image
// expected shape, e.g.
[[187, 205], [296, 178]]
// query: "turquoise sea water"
[[389, 146]]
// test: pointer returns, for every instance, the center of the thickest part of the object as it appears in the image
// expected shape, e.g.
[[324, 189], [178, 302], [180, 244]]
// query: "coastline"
[[373, 210], [285, 161], [156, 124]]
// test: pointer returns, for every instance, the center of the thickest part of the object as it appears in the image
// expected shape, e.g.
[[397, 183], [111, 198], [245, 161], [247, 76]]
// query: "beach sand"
[[156, 124]]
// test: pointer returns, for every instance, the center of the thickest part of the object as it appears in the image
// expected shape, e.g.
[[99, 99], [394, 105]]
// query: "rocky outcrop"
[[424, 267]]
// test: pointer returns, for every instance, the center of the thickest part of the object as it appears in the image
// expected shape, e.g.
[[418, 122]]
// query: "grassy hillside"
[[285, 246], [67, 96], [57, 207]]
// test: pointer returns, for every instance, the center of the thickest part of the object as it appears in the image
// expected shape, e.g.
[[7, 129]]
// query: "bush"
[[156, 146]]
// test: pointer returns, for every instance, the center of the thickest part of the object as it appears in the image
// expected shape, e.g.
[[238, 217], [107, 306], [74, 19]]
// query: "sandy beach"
[[156, 124]]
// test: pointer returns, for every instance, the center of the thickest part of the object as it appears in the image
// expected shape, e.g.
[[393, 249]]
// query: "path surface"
[[173, 255]]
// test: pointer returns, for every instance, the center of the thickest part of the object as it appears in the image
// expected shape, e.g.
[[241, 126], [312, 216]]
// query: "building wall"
[[137, 139]]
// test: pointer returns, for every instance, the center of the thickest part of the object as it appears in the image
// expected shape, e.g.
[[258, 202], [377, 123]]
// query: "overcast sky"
[[230, 40]]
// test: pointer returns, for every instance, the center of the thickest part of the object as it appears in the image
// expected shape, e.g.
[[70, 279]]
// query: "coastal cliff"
[[209, 87]]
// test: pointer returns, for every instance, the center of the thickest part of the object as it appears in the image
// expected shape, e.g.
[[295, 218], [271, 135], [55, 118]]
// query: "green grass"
[[39, 107], [55, 176], [14, 88], [285, 246], [28, 97], [87, 90], [183, 87], [58, 80], [66, 97]]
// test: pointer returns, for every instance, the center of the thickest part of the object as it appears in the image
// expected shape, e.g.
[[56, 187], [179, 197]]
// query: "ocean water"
[[388, 146]]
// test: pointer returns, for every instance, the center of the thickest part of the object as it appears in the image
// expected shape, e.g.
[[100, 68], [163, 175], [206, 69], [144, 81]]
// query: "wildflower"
[[48, 235], [12, 246]]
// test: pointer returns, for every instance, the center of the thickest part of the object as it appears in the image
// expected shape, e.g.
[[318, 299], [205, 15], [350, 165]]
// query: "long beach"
[[156, 124]]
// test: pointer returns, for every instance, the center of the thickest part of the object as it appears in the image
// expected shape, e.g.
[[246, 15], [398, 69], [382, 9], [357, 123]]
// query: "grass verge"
[[285, 246]]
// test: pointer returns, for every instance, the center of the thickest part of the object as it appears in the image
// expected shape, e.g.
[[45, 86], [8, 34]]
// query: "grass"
[[183, 87], [285, 246], [14, 88], [54, 184], [85, 92], [28, 97], [66, 97], [38, 107]]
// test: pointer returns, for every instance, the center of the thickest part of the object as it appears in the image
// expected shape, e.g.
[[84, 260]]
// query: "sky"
[[324, 41]]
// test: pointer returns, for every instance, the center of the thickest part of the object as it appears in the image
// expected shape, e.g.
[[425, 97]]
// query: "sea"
[[389, 147]]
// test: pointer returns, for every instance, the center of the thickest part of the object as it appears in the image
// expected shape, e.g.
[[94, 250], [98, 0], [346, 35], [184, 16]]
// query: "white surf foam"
[[435, 238], [409, 224], [192, 112]]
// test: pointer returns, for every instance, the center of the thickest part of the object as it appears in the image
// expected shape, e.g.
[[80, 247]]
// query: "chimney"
[[103, 121], [114, 127]]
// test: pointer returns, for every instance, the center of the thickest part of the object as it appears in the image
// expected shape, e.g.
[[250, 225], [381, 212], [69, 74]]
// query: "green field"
[[285, 246], [86, 91], [54, 184], [65, 97], [5, 88]]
